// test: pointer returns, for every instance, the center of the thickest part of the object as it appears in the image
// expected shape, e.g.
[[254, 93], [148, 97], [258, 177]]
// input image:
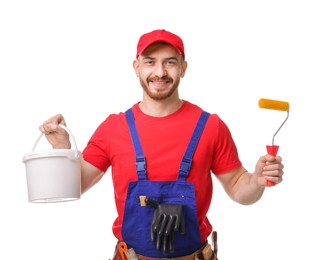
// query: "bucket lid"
[[69, 153]]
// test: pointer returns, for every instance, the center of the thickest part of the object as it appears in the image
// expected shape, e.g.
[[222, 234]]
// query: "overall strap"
[[187, 159], [140, 158]]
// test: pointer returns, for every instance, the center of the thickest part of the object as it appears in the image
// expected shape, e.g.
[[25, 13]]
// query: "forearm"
[[247, 190], [90, 175], [242, 186]]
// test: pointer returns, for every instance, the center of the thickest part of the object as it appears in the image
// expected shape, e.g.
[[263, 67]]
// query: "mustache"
[[164, 78]]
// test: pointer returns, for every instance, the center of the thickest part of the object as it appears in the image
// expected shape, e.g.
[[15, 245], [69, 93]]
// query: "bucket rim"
[[72, 154], [55, 199]]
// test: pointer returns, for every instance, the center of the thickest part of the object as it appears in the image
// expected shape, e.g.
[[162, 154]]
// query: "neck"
[[160, 108]]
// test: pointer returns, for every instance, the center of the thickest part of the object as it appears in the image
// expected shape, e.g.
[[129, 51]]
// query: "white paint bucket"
[[53, 175]]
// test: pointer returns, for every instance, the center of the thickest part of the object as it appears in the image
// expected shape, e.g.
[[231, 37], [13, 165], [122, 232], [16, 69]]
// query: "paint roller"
[[274, 105]]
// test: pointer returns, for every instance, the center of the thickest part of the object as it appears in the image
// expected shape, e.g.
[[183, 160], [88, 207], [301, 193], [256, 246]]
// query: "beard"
[[160, 94]]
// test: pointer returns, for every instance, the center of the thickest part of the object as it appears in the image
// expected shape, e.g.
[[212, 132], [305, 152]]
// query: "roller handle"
[[272, 150]]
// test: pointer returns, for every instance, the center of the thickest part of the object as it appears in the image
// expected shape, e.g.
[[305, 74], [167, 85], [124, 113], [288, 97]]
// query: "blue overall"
[[137, 218]]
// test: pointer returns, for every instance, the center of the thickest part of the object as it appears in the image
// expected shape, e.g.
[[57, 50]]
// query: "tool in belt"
[[139, 217]]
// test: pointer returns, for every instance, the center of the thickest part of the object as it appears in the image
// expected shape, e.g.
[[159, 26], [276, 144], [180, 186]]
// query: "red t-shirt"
[[164, 141]]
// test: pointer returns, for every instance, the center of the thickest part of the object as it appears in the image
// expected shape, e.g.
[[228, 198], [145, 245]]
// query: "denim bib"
[[138, 217]]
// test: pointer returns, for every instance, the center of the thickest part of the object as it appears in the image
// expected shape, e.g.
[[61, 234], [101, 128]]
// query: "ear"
[[183, 69], [136, 67]]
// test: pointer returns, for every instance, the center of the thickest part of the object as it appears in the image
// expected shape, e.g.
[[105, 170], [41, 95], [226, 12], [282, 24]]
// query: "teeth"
[[160, 82]]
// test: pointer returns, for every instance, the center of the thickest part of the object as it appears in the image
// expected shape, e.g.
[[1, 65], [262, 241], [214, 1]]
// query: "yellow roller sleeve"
[[273, 104]]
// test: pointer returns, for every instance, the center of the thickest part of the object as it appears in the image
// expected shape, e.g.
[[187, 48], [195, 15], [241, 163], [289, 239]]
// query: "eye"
[[149, 61], [171, 62]]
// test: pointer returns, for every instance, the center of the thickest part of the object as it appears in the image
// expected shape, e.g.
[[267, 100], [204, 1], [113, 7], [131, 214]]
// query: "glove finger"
[[158, 243], [165, 245], [153, 234], [182, 228], [169, 226], [179, 217], [177, 222], [153, 228], [161, 229], [171, 242], [157, 223]]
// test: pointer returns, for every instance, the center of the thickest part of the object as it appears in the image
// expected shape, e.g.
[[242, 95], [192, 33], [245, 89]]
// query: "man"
[[162, 152]]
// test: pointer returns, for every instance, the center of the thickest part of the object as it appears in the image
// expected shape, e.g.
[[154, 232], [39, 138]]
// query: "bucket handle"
[[71, 135]]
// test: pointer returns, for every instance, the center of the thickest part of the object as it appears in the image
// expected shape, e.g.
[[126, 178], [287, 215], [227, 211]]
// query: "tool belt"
[[204, 253]]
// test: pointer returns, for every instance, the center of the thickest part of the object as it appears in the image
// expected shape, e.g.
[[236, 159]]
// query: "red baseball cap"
[[160, 36]]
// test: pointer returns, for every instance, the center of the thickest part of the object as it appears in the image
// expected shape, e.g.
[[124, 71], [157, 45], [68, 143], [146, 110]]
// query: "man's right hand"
[[56, 135]]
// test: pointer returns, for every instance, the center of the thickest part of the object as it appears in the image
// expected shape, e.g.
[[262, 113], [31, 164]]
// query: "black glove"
[[167, 218]]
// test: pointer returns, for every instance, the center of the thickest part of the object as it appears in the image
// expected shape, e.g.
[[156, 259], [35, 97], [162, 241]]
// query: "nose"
[[160, 71]]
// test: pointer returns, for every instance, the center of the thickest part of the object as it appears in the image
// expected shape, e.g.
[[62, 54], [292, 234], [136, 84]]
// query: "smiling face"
[[159, 69]]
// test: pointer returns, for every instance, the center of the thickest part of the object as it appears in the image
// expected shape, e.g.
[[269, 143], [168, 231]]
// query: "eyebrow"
[[152, 58]]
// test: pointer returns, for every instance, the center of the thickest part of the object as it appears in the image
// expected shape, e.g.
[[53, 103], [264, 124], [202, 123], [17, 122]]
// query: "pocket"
[[138, 217]]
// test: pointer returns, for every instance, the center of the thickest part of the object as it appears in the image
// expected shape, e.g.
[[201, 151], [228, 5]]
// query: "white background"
[[75, 58]]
